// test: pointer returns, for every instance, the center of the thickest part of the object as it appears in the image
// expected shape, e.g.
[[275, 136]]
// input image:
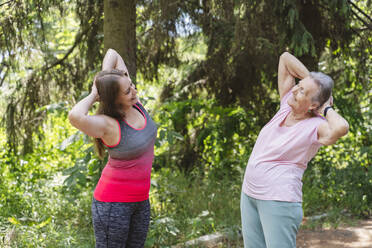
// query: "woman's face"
[[128, 93], [302, 95]]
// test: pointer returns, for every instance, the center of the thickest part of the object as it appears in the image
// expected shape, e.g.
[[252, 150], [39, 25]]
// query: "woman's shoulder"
[[107, 119], [111, 123], [317, 120]]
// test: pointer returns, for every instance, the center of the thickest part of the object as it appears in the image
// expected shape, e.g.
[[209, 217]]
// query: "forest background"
[[207, 72]]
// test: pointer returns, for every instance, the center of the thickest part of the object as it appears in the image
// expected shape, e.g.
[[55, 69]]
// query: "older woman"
[[271, 200], [120, 207]]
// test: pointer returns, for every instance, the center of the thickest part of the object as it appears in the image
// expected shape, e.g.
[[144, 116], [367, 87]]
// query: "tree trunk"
[[120, 31]]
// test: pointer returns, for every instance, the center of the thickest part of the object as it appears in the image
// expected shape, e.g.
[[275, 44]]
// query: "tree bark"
[[120, 31]]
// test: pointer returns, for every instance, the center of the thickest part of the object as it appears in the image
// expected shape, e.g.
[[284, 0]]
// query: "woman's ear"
[[314, 106]]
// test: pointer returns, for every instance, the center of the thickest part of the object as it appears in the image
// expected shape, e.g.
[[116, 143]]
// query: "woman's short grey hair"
[[325, 84]]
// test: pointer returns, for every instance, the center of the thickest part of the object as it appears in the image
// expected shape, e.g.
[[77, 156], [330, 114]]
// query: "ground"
[[356, 236], [352, 235]]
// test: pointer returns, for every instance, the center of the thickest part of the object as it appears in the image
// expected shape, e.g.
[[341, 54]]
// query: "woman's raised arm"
[[92, 125], [335, 127], [113, 60], [289, 69]]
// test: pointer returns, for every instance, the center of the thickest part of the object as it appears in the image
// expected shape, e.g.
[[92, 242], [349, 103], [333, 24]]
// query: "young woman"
[[271, 200], [120, 207]]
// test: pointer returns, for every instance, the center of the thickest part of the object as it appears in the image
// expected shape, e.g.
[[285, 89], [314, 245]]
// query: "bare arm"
[[113, 60], [335, 127], [289, 69], [95, 126]]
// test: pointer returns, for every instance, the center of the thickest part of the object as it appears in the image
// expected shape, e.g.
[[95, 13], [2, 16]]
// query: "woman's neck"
[[127, 110], [297, 116]]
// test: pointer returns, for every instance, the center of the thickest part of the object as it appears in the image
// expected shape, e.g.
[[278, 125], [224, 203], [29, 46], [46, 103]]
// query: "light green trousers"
[[269, 224]]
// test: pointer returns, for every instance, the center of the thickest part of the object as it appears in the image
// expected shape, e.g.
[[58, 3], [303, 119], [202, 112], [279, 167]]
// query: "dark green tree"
[[51, 67]]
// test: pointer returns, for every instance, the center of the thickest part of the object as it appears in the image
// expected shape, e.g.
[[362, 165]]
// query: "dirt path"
[[356, 236], [359, 236]]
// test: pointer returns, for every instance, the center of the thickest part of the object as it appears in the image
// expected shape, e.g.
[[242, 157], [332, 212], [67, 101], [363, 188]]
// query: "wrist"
[[326, 110], [94, 96]]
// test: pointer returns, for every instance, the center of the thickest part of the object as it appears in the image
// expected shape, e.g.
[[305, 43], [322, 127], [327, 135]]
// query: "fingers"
[[94, 90]]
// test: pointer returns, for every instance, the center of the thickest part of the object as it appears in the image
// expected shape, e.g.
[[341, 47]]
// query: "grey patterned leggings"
[[120, 224]]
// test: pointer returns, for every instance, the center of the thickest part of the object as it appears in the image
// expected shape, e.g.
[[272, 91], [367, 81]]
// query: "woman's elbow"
[[73, 118], [342, 130], [345, 128], [284, 55], [111, 52]]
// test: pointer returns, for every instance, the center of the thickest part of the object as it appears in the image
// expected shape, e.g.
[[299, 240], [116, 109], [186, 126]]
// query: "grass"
[[185, 209], [334, 219], [47, 214], [46, 217]]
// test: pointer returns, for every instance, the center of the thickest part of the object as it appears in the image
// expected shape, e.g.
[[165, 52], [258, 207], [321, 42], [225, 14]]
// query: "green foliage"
[[339, 178], [42, 61], [213, 139], [34, 199], [87, 168], [185, 208]]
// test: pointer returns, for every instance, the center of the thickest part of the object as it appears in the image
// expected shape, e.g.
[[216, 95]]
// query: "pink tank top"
[[126, 176], [280, 156]]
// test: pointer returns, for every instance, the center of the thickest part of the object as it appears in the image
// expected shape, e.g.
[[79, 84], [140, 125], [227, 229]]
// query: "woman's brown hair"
[[108, 87]]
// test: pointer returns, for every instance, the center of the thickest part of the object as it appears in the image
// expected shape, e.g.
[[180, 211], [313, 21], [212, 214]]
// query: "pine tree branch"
[[360, 11], [78, 39], [1, 4], [5, 74], [369, 26]]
